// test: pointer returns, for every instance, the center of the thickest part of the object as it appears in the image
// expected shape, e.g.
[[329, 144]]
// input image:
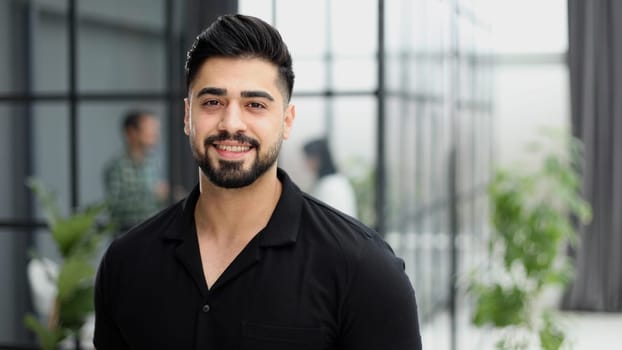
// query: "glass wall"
[[438, 142], [400, 88], [71, 71]]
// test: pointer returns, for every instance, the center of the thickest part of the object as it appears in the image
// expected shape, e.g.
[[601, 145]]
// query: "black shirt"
[[313, 278]]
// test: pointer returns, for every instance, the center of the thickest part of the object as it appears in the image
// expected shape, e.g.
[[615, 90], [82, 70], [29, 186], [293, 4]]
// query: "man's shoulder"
[[347, 246], [145, 234], [339, 230]]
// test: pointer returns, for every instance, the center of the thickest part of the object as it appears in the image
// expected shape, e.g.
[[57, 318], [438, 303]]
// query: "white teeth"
[[233, 148]]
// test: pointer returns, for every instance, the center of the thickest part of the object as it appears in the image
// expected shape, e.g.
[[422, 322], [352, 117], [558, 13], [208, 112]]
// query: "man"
[[248, 261], [133, 190]]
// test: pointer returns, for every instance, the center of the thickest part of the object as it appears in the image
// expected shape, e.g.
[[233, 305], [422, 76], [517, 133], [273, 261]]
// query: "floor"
[[586, 331], [595, 331]]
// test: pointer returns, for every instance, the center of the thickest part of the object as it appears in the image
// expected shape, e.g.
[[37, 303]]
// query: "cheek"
[[197, 146], [194, 128]]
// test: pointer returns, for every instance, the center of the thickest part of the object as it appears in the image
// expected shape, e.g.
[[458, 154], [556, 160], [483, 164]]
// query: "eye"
[[256, 105], [210, 103]]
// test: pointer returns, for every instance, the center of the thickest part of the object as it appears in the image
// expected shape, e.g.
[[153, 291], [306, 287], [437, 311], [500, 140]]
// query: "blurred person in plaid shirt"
[[133, 188]]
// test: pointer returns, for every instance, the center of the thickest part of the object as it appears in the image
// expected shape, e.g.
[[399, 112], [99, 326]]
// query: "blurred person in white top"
[[330, 186]]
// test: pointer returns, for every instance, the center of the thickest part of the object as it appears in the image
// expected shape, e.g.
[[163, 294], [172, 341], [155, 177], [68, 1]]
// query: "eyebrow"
[[260, 94], [212, 91], [223, 92]]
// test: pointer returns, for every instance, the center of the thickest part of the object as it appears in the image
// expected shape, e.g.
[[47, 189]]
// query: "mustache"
[[225, 136]]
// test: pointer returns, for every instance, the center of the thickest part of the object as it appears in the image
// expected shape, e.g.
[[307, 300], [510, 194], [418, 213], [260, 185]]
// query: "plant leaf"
[[551, 337], [74, 309], [49, 339], [499, 306], [69, 232], [75, 273], [47, 200]]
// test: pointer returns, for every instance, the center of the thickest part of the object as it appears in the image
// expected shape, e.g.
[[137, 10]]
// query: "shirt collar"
[[284, 223], [282, 228]]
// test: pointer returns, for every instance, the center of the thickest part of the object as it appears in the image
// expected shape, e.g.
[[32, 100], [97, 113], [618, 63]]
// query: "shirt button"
[[205, 308]]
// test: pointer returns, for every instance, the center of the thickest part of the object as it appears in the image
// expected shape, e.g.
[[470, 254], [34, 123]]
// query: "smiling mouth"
[[232, 148], [228, 145]]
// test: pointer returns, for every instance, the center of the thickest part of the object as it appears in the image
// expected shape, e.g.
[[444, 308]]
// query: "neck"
[[236, 214]]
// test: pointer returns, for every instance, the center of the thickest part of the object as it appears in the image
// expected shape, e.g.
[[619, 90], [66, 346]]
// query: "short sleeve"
[[107, 335], [380, 310]]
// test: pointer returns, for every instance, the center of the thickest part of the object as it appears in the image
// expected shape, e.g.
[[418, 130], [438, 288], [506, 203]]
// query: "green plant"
[[77, 237], [534, 216]]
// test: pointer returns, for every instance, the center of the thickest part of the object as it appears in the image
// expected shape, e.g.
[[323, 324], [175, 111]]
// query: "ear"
[[186, 117], [288, 120]]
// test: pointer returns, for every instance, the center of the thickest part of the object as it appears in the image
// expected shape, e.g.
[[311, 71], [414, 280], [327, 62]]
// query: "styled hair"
[[133, 117], [240, 36], [319, 149]]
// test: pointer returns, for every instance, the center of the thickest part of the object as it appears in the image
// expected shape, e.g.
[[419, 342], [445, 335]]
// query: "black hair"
[[319, 149], [244, 37], [132, 119]]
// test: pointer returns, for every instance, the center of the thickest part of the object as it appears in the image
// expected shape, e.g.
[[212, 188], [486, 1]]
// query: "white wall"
[[528, 96], [527, 99]]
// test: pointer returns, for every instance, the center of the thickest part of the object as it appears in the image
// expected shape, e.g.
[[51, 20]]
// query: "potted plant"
[[534, 217], [77, 237]]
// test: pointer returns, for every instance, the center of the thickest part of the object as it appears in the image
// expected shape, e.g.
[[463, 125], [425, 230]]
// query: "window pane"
[[354, 34], [310, 123], [512, 36], [49, 49], [438, 21], [51, 150], [417, 27], [392, 161], [47, 153], [355, 74], [9, 65], [393, 74], [353, 131], [6, 157], [137, 13], [12, 280], [13, 156], [394, 9], [353, 141], [303, 27], [121, 50], [310, 75], [258, 8]]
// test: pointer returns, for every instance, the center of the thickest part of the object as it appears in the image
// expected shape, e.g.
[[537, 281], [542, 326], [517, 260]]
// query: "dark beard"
[[230, 174]]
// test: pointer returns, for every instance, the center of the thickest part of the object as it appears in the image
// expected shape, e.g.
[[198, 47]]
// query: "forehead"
[[147, 120], [236, 74]]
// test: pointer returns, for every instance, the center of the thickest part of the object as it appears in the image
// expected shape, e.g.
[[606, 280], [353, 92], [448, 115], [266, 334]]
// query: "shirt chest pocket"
[[258, 336]]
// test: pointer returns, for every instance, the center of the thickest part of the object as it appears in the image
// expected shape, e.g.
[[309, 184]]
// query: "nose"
[[231, 120]]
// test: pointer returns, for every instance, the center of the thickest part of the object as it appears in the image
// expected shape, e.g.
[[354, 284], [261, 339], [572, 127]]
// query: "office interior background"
[[420, 99]]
